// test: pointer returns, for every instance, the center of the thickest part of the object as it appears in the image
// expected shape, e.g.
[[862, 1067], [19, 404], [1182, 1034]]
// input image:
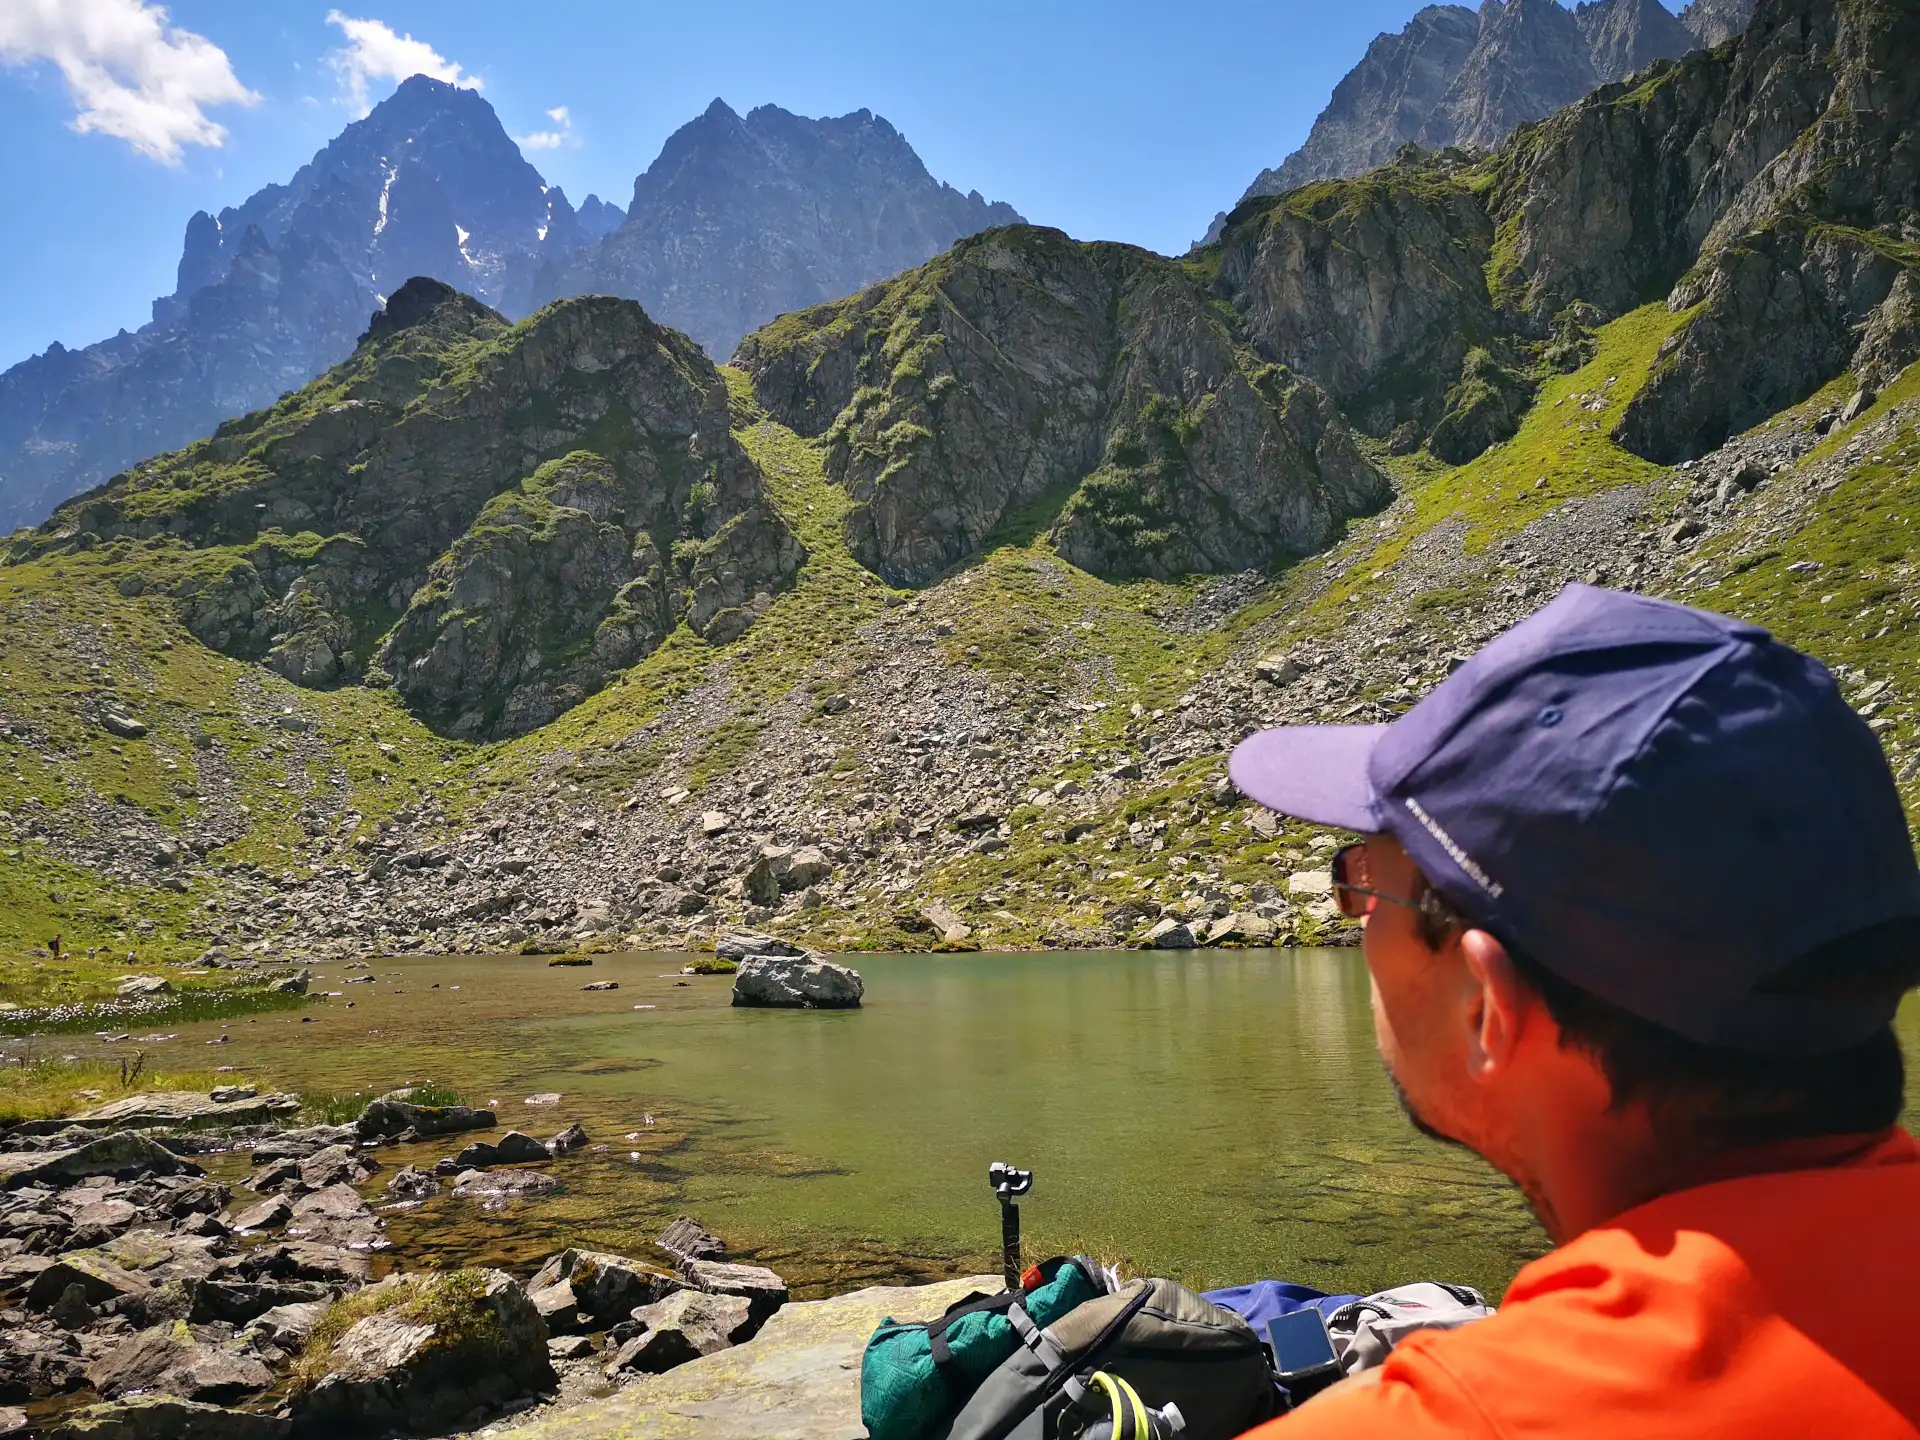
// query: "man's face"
[[1424, 1010]]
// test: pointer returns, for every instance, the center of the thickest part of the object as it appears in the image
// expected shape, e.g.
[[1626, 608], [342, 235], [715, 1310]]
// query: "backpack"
[[1169, 1345], [915, 1378], [1365, 1332]]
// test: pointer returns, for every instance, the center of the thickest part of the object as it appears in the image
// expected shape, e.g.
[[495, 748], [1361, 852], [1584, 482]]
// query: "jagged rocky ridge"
[[1763, 186], [492, 519], [743, 218], [738, 221], [272, 292], [1024, 369], [1454, 78]]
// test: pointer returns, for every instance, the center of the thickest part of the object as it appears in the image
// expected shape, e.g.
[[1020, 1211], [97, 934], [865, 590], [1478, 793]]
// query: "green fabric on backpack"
[[905, 1396]]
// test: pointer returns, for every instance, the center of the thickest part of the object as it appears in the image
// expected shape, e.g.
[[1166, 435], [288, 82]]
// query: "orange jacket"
[[1776, 1304]]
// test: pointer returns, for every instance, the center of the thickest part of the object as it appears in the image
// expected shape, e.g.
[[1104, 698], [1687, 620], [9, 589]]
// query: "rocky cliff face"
[[1624, 37], [491, 519], [1382, 103], [1088, 389], [1454, 78], [272, 292], [1714, 22], [742, 219]]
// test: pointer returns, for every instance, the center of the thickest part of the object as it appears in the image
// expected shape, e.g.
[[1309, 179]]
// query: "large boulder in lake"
[[420, 1353], [796, 982]]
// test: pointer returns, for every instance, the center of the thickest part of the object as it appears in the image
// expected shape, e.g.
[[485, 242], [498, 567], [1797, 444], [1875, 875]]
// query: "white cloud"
[[554, 139], [131, 74], [374, 52]]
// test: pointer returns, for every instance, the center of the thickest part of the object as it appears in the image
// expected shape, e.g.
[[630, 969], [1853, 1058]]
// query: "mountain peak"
[[734, 224], [423, 299]]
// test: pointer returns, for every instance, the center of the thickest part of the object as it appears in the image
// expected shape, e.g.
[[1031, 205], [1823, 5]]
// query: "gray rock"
[[238, 1301], [411, 1183], [99, 1279], [163, 1417], [337, 1216], [743, 945], [499, 1186], [608, 1287], [124, 726], [570, 1347], [184, 1108], [513, 1148], [1171, 934], [299, 1144], [71, 1311], [559, 1308], [804, 982], [387, 1117], [796, 1380], [287, 1327], [336, 1165], [687, 1239], [138, 987], [764, 1291], [447, 1345], [167, 1359], [574, 1137]]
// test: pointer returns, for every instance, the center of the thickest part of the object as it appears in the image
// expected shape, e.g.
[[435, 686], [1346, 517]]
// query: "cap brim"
[[1311, 772]]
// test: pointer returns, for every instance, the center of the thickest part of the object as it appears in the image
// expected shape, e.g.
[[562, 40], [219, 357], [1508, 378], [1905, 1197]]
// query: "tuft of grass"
[[52, 1089]]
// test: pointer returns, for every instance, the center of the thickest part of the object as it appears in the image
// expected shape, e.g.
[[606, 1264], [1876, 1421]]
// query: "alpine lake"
[[1216, 1116]]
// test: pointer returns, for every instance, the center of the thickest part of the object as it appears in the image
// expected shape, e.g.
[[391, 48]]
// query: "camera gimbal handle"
[[1008, 1182]]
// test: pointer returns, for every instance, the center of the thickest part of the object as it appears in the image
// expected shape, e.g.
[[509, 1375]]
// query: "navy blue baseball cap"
[[1663, 806]]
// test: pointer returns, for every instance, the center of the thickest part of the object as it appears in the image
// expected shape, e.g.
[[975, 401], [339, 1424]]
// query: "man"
[[1640, 906]]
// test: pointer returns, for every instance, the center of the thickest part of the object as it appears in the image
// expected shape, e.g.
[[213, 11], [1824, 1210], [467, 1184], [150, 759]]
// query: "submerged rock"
[[299, 1144], [430, 1351], [412, 1183], [163, 1417], [804, 982], [513, 1148], [387, 1117]]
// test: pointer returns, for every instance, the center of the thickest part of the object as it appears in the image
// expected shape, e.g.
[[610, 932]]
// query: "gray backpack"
[[1365, 1332], [1170, 1345]]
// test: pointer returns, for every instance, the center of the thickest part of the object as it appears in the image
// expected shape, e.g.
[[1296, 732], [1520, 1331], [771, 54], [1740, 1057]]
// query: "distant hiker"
[[1640, 906], [53, 947]]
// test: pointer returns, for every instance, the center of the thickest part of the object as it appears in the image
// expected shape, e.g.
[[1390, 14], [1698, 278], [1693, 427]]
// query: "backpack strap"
[[1007, 1301]]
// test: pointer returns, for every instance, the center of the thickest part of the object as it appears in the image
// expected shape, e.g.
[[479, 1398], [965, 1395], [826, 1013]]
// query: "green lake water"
[[1216, 1116]]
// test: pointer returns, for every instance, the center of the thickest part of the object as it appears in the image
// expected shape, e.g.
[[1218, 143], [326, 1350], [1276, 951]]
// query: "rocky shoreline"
[[141, 1299]]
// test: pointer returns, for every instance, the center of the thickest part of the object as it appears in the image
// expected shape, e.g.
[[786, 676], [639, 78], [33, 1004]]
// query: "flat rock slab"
[[799, 1379], [185, 1107], [124, 1156]]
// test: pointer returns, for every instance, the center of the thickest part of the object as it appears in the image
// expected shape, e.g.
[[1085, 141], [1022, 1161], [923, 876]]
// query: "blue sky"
[[1118, 120]]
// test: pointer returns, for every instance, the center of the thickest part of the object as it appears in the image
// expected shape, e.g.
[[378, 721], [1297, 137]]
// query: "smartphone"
[[1302, 1349]]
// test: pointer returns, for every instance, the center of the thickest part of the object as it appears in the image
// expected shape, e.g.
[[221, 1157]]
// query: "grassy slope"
[[1018, 612]]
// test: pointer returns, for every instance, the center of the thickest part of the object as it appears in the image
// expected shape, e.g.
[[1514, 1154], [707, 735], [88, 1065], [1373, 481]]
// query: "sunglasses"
[[1353, 891]]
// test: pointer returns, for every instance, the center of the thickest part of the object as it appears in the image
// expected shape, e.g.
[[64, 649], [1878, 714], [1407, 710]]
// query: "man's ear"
[[1497, 1005]]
